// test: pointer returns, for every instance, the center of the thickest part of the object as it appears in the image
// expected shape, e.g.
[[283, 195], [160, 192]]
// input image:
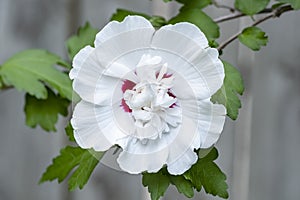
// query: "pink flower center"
[[127, 85]]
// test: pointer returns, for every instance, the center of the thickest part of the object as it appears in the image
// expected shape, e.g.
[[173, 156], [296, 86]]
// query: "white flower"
[[149, 93]]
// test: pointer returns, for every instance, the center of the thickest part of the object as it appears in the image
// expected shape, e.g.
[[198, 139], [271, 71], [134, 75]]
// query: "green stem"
[[275, 13]]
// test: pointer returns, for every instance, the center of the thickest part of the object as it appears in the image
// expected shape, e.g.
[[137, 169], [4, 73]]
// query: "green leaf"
[[277, 5], [200, 19], [227, 94], [188, 4], [254, 38], [213, 43], [158, 21], [63, 164], [207, 174], [85, 36], [204, 173], [29, 70], [64, 64], [1, 82], [212, 155], [183, 185], [251, 7], [213, 179], [204, 152], [157, 184], [69, 158], [44, 112], [294, 3], [70, 132], [120, 14], [86, 166]]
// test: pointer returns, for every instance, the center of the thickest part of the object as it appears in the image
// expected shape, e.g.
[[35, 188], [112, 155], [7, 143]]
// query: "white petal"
[[196, 58], [172, 38], [86, 130], [142, 157], [217, 121], [85, 82], [211, 69], [115, 45], [142, 115], [184, 163], [79, 60], [148, 60], [105, 89], [190, 31], [181, 151], [210, 119], [94, 126], [114, 28], [147, 66], [173, 116], [188, 82]]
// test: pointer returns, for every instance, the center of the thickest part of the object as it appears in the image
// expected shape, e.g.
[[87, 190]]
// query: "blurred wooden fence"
[[260, 152]]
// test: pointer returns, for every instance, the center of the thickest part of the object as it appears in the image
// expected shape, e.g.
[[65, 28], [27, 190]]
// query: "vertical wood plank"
[[25, 152], [243, 130]]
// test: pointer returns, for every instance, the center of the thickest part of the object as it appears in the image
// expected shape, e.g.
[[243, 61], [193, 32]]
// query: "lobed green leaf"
[[187, 4], [120, 14], [156, 21], [70, 132], [294, 3], [227, 94], [253, 37], [200, 19], [63, 164], [183, 185], [213, 179], [251, 7], [204, 152], [157, 184], [85, 36], [193, 174], [29, 70], [1, 82], [44, 112], [207, 174], [70, 157], [87, 164]]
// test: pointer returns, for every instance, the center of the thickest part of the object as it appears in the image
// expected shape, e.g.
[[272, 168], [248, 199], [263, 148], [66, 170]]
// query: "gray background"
[[260, 152]]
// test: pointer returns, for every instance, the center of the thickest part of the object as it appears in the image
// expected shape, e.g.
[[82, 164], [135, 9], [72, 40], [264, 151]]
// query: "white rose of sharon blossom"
[[148, 92]]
